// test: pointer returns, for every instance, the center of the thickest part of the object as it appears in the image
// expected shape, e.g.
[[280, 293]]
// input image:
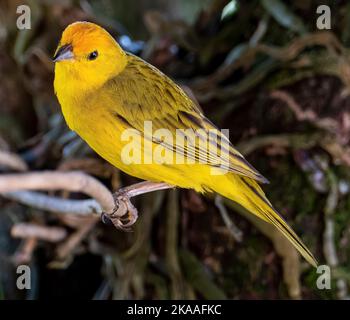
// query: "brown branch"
[[115, 205], [50, 180], [178, 284], [327, 124], [54, 204], [284, 54], [72, 242], [24, 254], [31, 230], [12, 161], [292, 50], [329, 244], [294, 141]]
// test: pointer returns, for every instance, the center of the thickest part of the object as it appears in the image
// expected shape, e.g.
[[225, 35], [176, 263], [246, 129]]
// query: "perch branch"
[[49, 180], [54, 204], [115, 206]]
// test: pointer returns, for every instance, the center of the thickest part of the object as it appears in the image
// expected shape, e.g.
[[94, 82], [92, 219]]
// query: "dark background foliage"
[[261, 69]]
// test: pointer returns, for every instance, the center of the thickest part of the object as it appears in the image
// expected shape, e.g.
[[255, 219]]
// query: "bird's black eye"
[[93, 55]]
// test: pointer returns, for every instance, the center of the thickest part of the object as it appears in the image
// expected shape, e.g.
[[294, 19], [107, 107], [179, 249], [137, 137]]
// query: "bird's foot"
[[124, 214]]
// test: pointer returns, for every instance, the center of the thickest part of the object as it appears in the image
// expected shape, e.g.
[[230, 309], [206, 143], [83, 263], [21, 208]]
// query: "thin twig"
[[12, 161], [24, 254], [31, 230], [327, 124], [233, 229], [178, 285], [293, 140], [67, 247], [283, 54], [329, 247]]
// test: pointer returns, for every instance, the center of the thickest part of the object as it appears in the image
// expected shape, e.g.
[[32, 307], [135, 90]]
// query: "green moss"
[[341, 223], [285, 179], [245, 269]]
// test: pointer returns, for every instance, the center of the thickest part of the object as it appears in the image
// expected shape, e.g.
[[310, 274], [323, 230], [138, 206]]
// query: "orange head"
[[88, 54]]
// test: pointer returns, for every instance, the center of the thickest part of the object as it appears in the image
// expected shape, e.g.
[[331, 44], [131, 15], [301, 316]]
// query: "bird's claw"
[[124, 215]]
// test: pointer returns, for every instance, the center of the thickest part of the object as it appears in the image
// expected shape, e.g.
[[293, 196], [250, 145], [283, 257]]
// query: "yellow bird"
[[108, 95]]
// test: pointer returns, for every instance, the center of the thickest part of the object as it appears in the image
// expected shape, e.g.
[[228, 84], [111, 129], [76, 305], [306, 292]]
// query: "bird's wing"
[[145, 94]]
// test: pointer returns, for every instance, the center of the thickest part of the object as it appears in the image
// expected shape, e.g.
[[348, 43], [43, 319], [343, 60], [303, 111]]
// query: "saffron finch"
[[105, 91]]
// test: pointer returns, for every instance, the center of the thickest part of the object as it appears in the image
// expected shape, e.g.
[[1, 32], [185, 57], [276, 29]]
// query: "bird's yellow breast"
[[91, 118]]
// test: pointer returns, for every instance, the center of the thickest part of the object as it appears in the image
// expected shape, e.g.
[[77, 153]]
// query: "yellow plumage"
[[104, 91]]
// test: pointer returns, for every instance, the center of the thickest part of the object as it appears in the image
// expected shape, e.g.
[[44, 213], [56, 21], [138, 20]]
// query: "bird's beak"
[[64, 53]]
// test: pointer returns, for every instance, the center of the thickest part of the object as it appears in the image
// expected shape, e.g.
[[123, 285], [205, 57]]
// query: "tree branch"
[[54, 204], [32, 230], [115, 206], [51, 180], [12, 161]]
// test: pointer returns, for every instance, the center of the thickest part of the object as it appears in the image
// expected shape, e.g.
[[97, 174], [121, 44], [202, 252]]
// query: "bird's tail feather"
[[254, 199]]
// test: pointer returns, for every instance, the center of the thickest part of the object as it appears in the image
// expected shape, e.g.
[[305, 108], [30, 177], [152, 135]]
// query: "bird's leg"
[[125, 214]]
